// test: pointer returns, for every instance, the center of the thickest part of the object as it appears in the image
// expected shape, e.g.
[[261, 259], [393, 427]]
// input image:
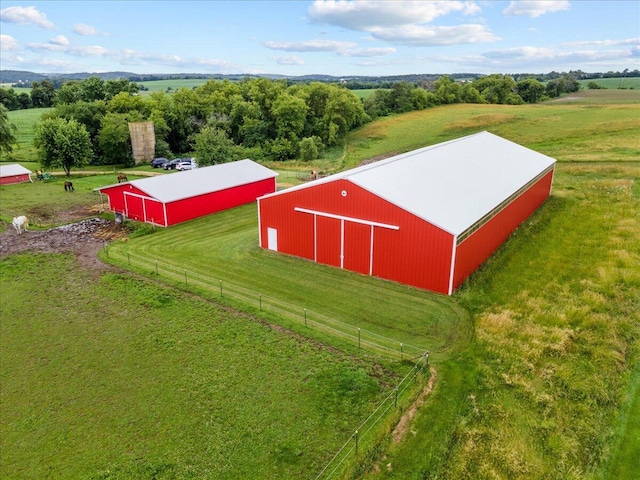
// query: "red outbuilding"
[[172, 198], [426, 218], [14, 173]]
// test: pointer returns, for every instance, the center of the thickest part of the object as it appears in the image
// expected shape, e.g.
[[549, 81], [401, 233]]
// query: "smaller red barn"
[[14, 173], [165, 200]]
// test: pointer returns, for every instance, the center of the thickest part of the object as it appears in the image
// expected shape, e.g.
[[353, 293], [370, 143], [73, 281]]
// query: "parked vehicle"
[[172, 164], [187, 164], [159, 162]]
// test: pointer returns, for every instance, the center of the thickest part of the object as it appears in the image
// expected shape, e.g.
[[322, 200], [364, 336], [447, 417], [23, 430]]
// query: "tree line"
[[256, 118]]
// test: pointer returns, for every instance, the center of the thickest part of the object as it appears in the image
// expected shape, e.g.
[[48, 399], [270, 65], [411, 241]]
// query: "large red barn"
[[14, 173], [165, 200], [426, 218]]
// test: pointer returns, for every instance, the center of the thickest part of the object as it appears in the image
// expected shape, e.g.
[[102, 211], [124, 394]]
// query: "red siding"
[[194, 207], [474, 250], [8, 180], [418, 253], [139, 206]]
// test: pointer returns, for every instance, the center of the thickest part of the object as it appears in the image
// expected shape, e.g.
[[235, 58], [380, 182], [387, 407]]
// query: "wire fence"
[[353, 447], [225, 289], [364, 436]]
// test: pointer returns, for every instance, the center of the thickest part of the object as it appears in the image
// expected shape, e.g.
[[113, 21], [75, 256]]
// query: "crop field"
[[24, 120], [632, 83], [537, 355], [171, 85]]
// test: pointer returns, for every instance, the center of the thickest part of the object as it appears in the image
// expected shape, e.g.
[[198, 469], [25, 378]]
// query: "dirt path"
[[403, 425], [83, 238]]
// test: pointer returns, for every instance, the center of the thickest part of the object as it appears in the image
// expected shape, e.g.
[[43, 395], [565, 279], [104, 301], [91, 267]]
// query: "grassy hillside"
[[24, 120]]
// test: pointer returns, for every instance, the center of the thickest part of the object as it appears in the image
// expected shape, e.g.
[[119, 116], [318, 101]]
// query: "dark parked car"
[[172, 164], [159, 162]]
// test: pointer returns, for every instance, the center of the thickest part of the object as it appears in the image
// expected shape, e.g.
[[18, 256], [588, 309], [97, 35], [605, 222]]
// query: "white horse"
[[20, 223]]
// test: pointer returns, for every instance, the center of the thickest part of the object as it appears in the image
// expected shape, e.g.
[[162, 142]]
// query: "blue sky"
[[335, 37]]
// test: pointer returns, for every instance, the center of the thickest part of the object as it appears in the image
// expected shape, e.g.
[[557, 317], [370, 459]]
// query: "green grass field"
[[24, 120], [614, 83], [171, 85], [116, 378], [537, 355]]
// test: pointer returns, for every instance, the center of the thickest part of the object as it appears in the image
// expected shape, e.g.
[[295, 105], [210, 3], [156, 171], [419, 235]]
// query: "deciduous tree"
[[62, 143], [7, 130]]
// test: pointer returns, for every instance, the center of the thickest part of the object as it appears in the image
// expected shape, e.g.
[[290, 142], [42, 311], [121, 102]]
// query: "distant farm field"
[[171, 85], [632, 83], [25, 121]]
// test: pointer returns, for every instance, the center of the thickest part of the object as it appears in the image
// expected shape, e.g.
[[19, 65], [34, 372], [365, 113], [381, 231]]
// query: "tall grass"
[[567, 132]]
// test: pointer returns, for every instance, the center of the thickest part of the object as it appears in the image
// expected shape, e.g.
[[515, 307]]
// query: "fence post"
[[305, 317], [260, 302], [401, 357], [185, 276], [356, 437]]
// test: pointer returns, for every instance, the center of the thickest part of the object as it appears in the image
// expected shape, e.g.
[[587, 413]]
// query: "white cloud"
[[60, 40], [86, 30], [310, 46], [403, 22], [288, 60], [419, 35], [8, 44], [347, 49], [535, 8], [605, 43], [25, 16], [368, 52], [46, 47], [367, 14]]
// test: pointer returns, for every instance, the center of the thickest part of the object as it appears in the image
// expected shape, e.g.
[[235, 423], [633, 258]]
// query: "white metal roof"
[[452, 184], [190, 183], [13, 169]]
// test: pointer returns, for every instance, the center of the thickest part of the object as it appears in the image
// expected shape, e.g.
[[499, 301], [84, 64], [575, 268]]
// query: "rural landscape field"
[[189, 352]]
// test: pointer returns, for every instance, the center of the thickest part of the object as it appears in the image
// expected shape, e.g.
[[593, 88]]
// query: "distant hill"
[[19, 76]]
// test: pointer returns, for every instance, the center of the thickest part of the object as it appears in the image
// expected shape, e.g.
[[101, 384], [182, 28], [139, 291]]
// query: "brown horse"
[[68, 186], [122, 178]]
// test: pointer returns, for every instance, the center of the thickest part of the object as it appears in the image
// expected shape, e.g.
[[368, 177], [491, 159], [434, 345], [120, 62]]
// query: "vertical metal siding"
[[474, 250], [417, 254], [152, 210], [10, 179]]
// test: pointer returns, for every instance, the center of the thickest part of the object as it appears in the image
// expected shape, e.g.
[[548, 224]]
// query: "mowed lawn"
[[113, 377], [224, 248]]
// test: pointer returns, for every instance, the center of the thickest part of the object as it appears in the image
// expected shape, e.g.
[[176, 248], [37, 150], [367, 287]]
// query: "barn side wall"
[[10, 179], [417, 253], [194, 207], [475, 249]]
